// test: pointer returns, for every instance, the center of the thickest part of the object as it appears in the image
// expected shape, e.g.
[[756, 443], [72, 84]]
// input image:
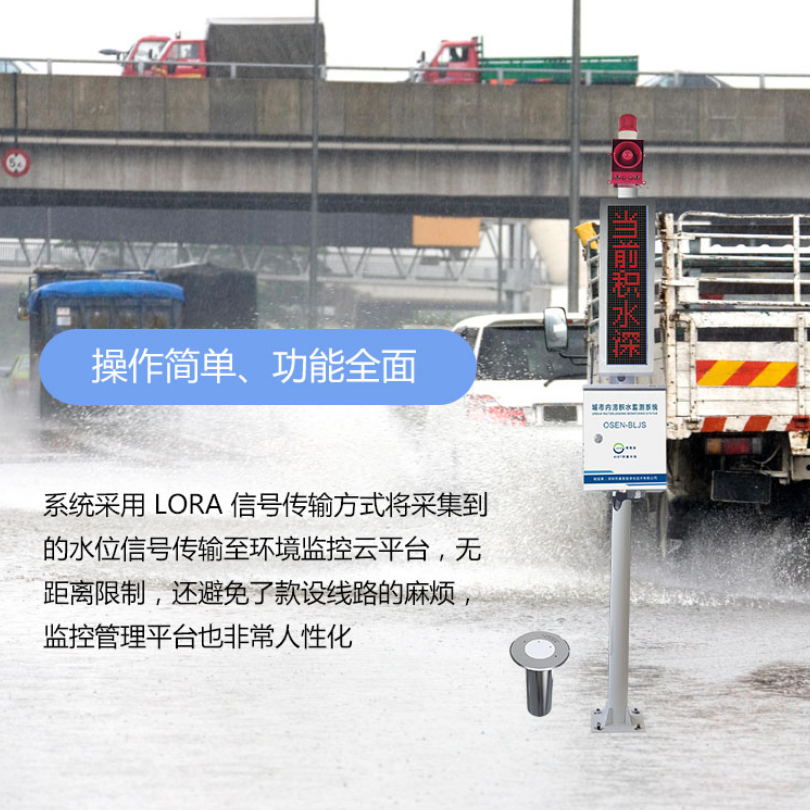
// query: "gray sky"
[[712, 36]]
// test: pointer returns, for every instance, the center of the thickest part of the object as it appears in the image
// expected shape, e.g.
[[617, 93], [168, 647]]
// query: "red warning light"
[[628, 162]]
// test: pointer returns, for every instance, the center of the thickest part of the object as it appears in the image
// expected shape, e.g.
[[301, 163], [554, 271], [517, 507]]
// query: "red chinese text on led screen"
[[627, 285]]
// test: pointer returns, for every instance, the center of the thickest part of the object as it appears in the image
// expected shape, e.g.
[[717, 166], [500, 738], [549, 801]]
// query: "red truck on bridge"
[[463, 62], [264, 48]]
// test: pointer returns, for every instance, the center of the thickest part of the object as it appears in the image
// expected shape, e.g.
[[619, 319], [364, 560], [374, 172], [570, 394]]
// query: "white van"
[[519, 380]]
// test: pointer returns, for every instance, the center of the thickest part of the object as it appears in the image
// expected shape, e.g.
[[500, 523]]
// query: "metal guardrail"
[[412, 73], [439, 268]]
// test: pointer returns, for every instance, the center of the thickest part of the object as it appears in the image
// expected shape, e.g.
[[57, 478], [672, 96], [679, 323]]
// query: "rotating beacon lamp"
[[539, 654]]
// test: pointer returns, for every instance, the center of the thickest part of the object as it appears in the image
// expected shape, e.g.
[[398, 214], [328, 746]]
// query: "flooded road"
[[425, 708]]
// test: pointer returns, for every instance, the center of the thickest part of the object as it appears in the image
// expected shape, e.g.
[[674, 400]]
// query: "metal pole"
[[48, 225], [573, 197], [617, 716], [513, 271], [312, 312], [619, 648], [500, 264], [16, 109]]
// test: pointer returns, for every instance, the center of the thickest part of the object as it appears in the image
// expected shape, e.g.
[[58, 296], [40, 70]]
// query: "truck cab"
[[456, 62], [183, 59], [146, 50]]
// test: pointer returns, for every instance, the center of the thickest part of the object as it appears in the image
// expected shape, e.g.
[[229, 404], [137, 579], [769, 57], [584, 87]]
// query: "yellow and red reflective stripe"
[[751, 373]]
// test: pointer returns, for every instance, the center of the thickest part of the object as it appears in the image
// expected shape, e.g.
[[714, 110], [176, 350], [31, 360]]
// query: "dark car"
[[680, 79]]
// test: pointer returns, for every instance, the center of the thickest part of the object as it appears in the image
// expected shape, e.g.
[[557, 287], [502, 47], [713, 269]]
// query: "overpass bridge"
[[456, 150]]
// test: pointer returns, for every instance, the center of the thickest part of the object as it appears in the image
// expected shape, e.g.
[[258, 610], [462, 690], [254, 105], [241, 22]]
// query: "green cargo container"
[[602, 70]]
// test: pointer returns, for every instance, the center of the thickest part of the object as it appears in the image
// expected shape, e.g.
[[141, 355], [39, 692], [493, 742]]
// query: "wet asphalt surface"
[[426, 708]]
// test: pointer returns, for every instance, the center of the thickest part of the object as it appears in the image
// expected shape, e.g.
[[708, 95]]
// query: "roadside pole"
[[573, 194], [619, 644], [624, 423], [312, 280]]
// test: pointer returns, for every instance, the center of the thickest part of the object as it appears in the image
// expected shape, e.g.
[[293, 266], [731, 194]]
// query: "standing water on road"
[[425, 708]]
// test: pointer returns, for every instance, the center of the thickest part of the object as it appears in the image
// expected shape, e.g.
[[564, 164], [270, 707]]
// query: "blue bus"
[[97, 303]]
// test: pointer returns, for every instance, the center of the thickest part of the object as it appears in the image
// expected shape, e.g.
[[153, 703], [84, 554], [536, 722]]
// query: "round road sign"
[[16, 162]]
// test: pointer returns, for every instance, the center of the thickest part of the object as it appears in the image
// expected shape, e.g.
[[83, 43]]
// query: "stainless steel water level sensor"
[[539, 653]]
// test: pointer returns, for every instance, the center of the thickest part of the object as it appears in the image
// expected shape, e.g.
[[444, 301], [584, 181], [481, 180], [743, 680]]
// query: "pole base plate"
[[603, 722]]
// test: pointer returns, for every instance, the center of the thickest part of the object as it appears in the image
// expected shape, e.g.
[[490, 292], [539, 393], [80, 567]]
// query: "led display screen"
[[626, 285]]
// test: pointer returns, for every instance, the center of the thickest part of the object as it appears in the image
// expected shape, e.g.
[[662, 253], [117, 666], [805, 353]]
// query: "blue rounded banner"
[[257, 367]]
